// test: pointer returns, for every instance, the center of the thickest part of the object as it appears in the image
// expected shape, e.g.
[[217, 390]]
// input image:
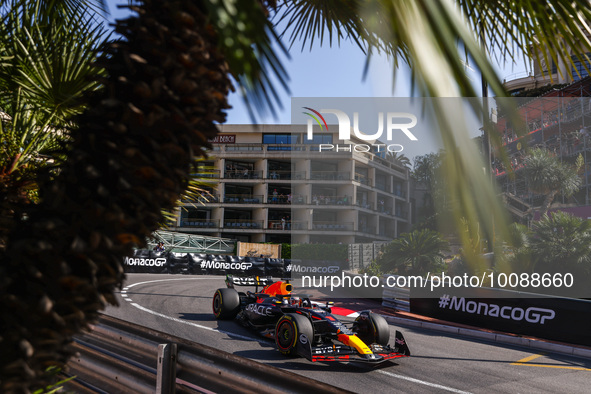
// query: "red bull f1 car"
[[303, 328]]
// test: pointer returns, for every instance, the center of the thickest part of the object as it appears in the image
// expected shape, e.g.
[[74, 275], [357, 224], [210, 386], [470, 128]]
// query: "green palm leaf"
[[418, 252]]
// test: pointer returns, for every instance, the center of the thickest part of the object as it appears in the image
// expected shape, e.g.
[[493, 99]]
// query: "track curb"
[[531, 343]]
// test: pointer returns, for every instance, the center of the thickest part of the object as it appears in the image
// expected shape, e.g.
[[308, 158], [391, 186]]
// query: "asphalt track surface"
[[181, 306]]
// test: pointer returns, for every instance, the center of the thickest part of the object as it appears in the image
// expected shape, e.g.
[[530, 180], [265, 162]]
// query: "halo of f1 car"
[[301, 327]]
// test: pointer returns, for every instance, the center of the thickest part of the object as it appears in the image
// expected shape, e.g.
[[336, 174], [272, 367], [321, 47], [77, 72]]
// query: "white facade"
[[268, 186]]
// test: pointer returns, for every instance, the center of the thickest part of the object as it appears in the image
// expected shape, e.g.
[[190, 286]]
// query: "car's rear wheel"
[[372, 328], [226, 304], [290, 329]]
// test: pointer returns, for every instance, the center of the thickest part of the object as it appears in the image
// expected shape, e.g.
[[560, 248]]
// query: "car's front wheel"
[[372, 328], [226, 304], [290, 329]]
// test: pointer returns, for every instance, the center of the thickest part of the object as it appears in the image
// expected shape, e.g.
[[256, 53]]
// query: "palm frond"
[[250, 46], [545, 31], [52, 64]]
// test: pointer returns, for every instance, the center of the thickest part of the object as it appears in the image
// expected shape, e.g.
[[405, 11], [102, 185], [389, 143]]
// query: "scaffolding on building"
[[191, 243], [560, 122]]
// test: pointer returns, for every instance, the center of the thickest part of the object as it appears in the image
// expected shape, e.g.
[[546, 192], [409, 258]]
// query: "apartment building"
[[559, 121], [269, 184]]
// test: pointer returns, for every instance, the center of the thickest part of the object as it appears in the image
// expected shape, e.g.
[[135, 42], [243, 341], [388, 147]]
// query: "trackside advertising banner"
[[560, 319], [147, 261]]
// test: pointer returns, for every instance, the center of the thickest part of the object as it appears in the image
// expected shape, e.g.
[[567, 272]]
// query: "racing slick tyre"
[[290, 329], [372, 328], [226, 304]]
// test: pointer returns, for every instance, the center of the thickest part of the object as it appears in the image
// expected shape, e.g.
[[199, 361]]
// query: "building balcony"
[[243, 174], [365, 205], [363, 179], [243, 199], [401, 214], [330, 176], [367, 229], [242, 224], [333, 226], [383, 187], [331, 200], [299, 225], [200, 223], [277, 175], [299, 175], [279, 225], [279, 199], [206, 174], [400, 193]]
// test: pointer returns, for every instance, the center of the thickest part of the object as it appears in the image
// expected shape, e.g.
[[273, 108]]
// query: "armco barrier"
[[395, 297], [122, 357], [554, 318], [148, 261]]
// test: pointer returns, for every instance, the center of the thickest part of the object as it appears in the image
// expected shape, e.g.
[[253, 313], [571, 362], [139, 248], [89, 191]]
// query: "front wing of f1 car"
[[352, 349]]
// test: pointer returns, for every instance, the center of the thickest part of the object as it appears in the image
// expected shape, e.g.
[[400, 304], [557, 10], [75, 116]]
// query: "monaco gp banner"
[[148, 261], [561, 319]]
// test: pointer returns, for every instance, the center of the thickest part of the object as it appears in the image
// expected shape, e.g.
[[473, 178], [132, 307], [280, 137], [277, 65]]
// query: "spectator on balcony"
[[283, 223], [245, 173], [289, 198], [275, 196]]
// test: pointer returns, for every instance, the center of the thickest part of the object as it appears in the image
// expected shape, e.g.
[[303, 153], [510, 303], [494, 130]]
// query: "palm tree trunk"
[[129, 159], [548, 202]]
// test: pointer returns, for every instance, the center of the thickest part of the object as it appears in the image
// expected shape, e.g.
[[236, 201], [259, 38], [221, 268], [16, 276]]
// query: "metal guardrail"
[[118, 356], [395, 297]]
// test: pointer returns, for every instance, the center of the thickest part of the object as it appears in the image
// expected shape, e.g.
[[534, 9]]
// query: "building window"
[[279, 139], [319, 139], [579, 67]]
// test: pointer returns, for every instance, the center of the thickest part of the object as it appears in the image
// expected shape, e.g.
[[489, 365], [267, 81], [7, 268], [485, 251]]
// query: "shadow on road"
[[274, 358], [197, 316]]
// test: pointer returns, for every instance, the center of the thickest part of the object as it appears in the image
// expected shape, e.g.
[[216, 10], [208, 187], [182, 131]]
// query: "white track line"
[[434, 385], [162, 280], [197, 325]]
